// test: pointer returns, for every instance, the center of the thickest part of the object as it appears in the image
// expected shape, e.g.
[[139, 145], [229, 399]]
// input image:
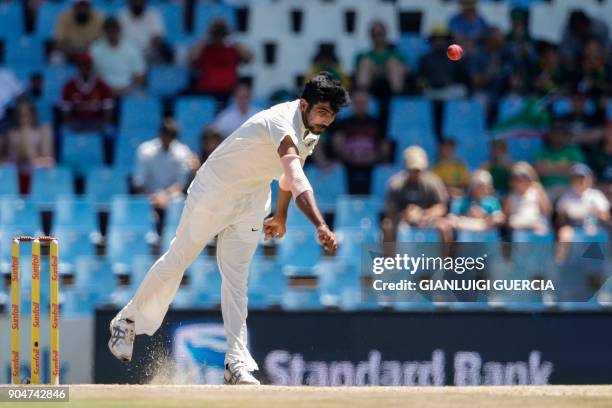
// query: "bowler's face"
[[317, 118]]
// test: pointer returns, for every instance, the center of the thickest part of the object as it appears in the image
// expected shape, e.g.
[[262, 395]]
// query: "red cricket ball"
[[454, 52]]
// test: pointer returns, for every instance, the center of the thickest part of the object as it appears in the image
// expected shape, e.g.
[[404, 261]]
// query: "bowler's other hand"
[[274, 227], [327, 238]]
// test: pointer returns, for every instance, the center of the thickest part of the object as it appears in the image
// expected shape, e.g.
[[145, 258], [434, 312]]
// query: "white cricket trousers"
[[237, 220]]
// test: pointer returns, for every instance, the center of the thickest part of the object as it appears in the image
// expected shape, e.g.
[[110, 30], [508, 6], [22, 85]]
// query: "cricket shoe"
[[121, 343], [236, 373]]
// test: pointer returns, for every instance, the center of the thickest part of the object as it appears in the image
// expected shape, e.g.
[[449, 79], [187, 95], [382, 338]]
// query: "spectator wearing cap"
[[554, 161], [144, 27], [240, 109], [583, 206], [468, 27], [453, 172], [381, 69], [520, 44], [416, 197], [480, 209], [119, 63], [216, 60], [584, 122], [77, 28], [527, 206], [87, 101], [439, 77], [162, 168], [593, 72]]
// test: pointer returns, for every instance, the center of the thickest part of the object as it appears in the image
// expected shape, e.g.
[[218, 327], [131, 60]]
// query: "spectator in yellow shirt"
[[453, 172]]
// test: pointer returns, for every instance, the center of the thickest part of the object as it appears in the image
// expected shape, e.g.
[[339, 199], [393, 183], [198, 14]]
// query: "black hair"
[[323, 88]]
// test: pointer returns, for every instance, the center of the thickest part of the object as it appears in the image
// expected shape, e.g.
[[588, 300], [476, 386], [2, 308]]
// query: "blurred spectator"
[[241, 108], [452, 171], [468, 27], [415, 197], [120, 64], [499, 166], [359, 143], [547, 75], [77, 28], [520, 44], [144, 27], [554, 161], [593, 74], [584, 126], [211, 139], [216, 61], [527, 206], [162, 168], [600, 159], [28, 143], [580, 28], [382, 69], [440, 77], [87, 102], [583, 206], [490, 67], [327, 60], [10, 89], [480, 209]]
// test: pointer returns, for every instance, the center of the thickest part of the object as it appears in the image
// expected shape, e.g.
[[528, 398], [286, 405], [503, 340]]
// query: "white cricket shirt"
[[247, 160]]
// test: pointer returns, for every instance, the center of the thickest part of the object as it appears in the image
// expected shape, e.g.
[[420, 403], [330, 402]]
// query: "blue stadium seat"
[[25, 54], [266, 283], [339, 284], [299, 250], [600, 236], [11, 20], [139, 265], [75, 214], [103, 183], [206, 13], [95, 276], [413, 47], [490, 235], [206, 279], [531, 236], [380, 179], [49, 183], [357, 211], [74, 241], [165, 81], [44, 111], [76, 304], [126, 147], [54, 78], [8, 180], [173, 213], [124, 243], [296, 218], [173, 19], [82, 152], [194, 114], [563, 106], [131, 212], [46, 17], [328, 184], [464, 122], [17, 217], [301, 299], [141, 115], [411, 123], [351, 240]]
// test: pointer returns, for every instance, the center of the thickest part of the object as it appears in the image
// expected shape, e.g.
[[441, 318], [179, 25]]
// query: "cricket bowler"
[[229, 198]]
